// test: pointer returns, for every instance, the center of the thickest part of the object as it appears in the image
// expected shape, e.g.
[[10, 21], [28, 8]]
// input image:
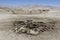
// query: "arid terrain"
[[9, 15]]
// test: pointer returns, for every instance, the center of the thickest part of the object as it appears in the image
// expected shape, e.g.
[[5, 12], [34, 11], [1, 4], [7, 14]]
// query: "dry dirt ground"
[[6, 20]]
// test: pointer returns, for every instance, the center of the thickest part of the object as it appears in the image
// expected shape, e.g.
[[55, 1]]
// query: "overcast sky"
[[30, 2]]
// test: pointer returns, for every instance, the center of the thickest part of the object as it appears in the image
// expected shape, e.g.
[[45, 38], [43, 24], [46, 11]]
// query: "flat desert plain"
[[9, 15]]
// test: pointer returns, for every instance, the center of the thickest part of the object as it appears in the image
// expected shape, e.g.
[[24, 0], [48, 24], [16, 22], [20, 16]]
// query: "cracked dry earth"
[[6, 26]]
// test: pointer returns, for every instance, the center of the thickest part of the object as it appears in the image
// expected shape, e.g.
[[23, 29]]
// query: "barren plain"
[[9, 15]]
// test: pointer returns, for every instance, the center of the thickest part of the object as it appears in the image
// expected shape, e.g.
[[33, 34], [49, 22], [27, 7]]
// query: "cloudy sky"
[[30, 2]]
